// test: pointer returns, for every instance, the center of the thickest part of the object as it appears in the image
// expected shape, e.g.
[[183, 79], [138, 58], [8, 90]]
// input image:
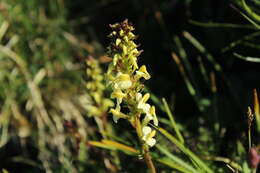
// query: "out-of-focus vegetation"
[[203, 57]]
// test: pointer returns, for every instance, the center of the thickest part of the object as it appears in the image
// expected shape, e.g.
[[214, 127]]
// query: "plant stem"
[[249, 138], [145, 149], [149, 162]]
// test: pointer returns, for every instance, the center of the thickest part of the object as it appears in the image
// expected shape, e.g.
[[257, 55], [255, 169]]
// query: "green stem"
[[249, 138]]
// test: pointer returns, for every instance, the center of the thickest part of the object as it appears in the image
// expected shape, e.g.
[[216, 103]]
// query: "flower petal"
[[151, 142], [146, 130], [122, 81]]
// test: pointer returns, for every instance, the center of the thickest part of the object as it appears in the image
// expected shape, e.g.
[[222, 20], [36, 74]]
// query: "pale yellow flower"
[[142, 102], [146, 108], [119, 95], [118, 41], [148, 136], [117, 114], [142, 72], [152, 112], [124, 76], [150, 115], [122, 81]]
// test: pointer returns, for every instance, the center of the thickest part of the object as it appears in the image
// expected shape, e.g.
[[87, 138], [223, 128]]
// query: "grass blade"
[[186, 151], [112, 145], [202, 49], [227, 161], [250, 11], [175, 162], [215, 65], [240, 41], [193, 92], [189, 85], [247, 58], [221, 25], [246, 17], [203, 71], [256, 110], [174, 124], [186, 62], [3, 29]]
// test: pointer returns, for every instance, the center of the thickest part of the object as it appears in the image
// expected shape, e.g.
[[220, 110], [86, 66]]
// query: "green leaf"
[[247, 58], [175, 162], [174, 124], [186, 151], [112, 145]]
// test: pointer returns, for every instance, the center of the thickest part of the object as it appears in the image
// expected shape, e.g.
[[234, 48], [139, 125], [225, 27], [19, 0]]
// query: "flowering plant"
[[124, 76]]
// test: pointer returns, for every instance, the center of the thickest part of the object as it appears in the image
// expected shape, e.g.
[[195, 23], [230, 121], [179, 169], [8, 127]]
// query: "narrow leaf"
[[186, 151], [174, 124], [256, 110], [247, 58], [175, 162], [112, 145]]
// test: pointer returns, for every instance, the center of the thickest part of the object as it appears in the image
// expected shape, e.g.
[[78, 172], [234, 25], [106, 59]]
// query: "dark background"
[[156, 39]]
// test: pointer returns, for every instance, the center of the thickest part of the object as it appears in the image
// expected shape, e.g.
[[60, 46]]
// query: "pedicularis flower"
[[97, 104], [124, 76]]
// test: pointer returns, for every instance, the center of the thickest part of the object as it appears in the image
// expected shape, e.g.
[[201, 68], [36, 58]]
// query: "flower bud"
[[254, 158]]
